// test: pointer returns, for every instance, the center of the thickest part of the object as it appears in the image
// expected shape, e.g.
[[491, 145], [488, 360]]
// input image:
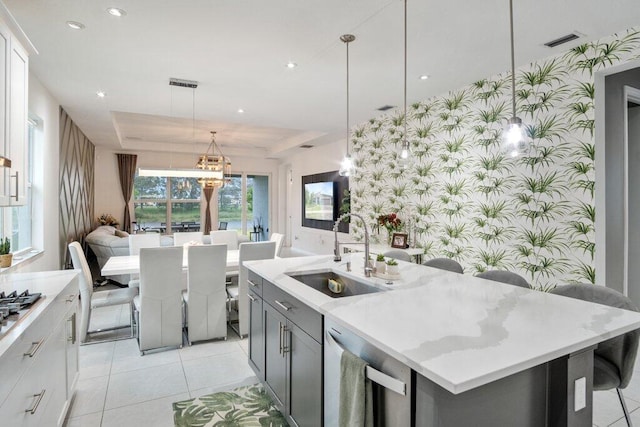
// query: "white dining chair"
[[138, 241], [228, 237], [180, 238], [279, 239], [90, 300], [159, 304], [206, 296], [238, 297]]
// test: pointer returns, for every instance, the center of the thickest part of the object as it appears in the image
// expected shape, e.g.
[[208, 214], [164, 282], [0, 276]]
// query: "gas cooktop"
[[13, 307]]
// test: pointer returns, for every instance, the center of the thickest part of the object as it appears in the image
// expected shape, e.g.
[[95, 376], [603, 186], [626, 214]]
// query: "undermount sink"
[[320, 282]]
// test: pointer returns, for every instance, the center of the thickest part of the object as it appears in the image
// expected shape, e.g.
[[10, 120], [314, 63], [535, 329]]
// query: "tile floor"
[[118, 387]]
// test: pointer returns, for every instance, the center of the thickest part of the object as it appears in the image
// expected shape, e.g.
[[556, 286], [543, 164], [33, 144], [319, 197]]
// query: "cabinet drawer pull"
[[38, 398], [251, 298], [282, 305], [72, 337], [17, 176], [34, 348], [251, 283], [285, 348], [280, 338]]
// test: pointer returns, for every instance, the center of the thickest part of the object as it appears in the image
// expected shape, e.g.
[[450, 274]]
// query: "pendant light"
[[406, 148], [346, 167], [514, 135]]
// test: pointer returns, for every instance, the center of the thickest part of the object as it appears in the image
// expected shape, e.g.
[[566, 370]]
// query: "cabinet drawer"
[[255, 283], [38, 389], [25, 349], [299, 313]]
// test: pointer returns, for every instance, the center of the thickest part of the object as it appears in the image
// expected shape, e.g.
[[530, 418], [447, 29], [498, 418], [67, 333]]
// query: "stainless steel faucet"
[[336, 249]]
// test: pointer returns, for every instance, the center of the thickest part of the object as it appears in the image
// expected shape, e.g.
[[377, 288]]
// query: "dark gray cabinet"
[[290, 334], [256, 334]]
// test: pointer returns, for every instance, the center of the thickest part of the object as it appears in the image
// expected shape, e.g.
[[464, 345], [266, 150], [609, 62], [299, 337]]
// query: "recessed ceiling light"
[[116, 12], [424, 77], [75, 25], [240, 110], [291, 64], [101, 94]]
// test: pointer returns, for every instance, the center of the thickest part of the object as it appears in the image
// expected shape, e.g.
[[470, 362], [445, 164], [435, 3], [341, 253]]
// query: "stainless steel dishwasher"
[[391, 379]]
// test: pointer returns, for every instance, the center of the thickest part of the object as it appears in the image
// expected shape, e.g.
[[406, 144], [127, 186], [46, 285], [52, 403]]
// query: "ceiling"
[[237, 50]]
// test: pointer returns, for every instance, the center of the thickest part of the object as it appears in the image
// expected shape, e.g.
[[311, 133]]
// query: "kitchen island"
[[479, 349]]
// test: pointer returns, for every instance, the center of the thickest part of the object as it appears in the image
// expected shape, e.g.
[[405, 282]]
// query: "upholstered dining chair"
[[228, 237], [180, 238], [507, 277], [614, 359], [445, 264], [205, 298], [90, 300], [279, 239], [159, 304], [399, 255], [136, 242], [238, 297]]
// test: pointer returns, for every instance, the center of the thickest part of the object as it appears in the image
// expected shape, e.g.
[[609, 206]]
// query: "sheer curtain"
[[127, 172]]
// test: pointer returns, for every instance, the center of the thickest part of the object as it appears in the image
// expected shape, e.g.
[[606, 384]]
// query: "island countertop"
[[457, 330]]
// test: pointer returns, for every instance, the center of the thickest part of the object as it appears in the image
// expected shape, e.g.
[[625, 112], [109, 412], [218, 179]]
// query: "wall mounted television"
[[322, 194]]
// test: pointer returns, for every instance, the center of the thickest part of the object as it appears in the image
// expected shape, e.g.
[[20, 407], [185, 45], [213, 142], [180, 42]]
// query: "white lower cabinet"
[[46, 366]]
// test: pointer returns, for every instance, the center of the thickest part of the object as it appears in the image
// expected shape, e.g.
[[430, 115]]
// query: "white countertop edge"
[[33, 282]]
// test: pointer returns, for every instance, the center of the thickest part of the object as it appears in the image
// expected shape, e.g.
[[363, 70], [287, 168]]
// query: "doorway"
[[632, 193]]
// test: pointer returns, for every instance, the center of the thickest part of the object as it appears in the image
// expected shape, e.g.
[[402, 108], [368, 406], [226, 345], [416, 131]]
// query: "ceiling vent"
[[562, 40], [385, 107], [306, 146], [183, 83]]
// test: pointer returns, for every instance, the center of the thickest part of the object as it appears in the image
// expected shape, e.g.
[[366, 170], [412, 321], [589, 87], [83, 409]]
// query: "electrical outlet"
[[580, 394]]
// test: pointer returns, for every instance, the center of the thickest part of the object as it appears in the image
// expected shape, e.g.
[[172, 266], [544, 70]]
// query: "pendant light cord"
[[406, 142], [346, 39], [347, 43], [513, 64]]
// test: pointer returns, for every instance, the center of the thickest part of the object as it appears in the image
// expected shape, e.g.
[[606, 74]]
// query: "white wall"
[[46, 217], [108, 196], [307, 162]]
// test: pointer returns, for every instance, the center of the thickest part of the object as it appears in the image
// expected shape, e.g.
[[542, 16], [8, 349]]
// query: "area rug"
[[243, 406]]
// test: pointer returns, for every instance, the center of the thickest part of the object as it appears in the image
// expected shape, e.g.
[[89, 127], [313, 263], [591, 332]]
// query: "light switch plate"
[[580, 394]]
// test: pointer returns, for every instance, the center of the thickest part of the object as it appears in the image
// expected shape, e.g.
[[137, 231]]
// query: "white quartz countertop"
[[459, 331], [49, 283]]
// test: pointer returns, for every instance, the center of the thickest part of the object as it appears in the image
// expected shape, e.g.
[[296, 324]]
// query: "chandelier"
[[217, 163]]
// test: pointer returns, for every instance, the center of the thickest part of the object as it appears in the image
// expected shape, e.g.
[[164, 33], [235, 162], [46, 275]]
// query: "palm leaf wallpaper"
[[463, 197]]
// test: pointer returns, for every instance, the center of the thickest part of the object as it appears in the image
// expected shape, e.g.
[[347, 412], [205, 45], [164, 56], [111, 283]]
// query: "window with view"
[[248, 214], [167, 204]]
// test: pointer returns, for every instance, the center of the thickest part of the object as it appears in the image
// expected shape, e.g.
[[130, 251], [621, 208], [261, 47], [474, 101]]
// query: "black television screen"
[[322, 195], [319, 200]]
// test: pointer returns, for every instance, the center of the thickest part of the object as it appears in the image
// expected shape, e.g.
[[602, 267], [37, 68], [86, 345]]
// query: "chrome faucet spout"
[[336, 249]]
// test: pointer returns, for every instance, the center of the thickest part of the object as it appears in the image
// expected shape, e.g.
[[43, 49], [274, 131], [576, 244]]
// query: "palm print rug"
[[242, 406]]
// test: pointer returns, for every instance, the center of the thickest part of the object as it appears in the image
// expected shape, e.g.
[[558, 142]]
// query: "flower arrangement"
[[107, 219], [391, 222]]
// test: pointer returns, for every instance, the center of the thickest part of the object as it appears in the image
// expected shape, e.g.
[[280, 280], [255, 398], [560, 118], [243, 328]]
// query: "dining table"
[[130, 264]]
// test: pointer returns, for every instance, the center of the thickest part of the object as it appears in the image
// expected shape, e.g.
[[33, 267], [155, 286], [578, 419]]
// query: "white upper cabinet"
[[14, 96]]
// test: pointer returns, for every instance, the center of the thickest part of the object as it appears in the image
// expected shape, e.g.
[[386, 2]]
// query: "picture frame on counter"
[[399, 240]]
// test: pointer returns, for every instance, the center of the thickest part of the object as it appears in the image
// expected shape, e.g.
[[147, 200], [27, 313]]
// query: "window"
[[249, 213], [159, 201], [17, 220], [230, 203]]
